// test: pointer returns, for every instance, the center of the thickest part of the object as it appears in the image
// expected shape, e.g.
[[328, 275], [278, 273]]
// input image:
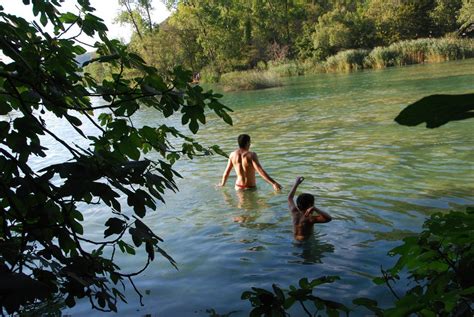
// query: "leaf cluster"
[[45, 251], [278, 301], [440, 262]]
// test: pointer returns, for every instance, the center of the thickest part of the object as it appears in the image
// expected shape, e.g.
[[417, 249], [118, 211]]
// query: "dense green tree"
[[225, 35], [393, 20], [466, 13], [138, 14], [444, 16], [341, 28], [45, 250]]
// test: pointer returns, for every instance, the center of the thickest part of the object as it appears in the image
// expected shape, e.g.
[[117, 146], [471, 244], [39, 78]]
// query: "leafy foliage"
[[45, 251], [440, 261], [278, 301]]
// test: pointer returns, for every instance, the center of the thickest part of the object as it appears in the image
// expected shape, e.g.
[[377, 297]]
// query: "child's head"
[[243, 140], [304, 201]]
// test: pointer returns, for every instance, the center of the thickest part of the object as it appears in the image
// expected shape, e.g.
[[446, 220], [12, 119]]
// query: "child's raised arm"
[[321, 217], [291, 195]]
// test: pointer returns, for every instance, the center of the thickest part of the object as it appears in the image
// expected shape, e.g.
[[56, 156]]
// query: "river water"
[[378, 180]]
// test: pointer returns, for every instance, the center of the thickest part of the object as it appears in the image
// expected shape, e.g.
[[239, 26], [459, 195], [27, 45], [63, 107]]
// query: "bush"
[[209, 74]]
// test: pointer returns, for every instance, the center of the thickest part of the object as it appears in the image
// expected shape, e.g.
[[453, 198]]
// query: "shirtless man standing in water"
[[245, 164]]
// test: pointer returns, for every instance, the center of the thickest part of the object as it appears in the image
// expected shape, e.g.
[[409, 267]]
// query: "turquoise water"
[[378, 180]]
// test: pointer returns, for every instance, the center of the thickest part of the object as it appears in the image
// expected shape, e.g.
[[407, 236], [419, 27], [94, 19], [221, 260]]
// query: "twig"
[[305, 309], [386, 278]]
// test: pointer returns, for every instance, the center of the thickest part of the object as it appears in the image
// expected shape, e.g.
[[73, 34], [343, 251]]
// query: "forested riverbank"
[[265, 40]]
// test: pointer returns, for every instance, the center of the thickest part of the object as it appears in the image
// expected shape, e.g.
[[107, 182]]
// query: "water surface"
[[379, 181]]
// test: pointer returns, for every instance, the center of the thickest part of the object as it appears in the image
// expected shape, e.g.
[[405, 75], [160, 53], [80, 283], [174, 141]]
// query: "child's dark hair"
[[304, 201], [243, 140]]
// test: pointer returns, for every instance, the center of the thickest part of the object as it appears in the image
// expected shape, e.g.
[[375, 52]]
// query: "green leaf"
[[278, 292], [367, 302], [194, 126], [4, 128], [289, 302], [102, 59], [115, 226], [304, 283], [5, 108], [68, 17], [323, 280], [43, 19], [378, 280], [246, 295]]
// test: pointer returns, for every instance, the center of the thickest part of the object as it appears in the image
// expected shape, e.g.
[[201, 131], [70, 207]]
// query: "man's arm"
[[261, 171], [291, 195], [226, 172]]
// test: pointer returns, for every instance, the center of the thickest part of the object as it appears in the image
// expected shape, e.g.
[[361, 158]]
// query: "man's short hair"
[[304, 201], [243, 140]]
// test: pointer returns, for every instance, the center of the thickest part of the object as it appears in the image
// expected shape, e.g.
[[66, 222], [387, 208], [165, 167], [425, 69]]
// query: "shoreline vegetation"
[[269, 74], [244, 45], [403, 53]]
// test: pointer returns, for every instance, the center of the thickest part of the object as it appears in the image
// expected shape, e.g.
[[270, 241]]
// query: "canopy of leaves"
[[44, 252]]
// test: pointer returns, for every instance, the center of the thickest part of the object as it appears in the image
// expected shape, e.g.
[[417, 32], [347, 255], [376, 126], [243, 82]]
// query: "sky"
[[105, 9]]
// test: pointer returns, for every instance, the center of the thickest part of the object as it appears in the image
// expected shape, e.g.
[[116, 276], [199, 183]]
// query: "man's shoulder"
[[251, 154], [234, 153]]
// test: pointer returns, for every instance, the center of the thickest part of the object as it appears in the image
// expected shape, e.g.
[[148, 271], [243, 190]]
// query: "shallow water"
[[379, 181]]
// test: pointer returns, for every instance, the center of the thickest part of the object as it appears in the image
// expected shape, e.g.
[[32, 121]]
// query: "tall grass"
[[288, 69], [252, 79], [420, 51], [346, 61], [402, 53]]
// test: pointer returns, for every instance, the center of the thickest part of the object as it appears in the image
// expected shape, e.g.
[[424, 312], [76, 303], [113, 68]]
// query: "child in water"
[[303, 220]]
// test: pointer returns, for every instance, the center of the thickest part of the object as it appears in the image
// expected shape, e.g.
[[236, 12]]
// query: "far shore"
[[420, 51]]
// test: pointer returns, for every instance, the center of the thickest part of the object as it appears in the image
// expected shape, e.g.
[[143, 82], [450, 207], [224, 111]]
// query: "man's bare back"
[[245, 164]]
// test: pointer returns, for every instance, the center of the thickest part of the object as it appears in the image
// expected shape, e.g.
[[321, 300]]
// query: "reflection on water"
[[311, 250], [244, 199]]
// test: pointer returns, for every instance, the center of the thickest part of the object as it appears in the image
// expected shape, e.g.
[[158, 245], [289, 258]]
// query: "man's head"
[[244, 141], [305, 201]]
